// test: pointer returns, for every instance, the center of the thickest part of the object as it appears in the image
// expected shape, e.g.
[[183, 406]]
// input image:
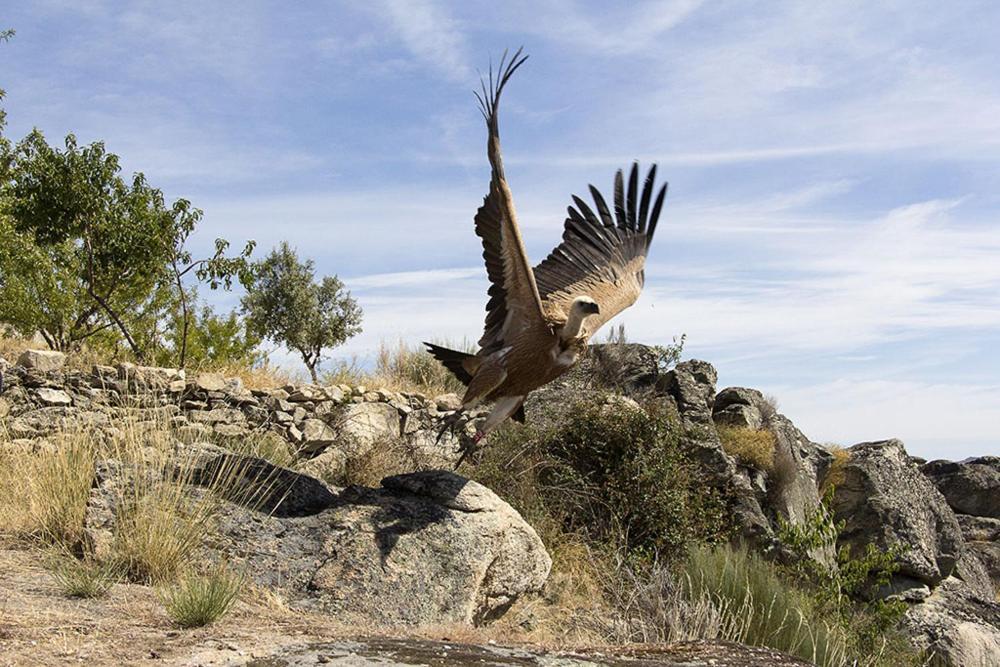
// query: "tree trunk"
[[184, 317]]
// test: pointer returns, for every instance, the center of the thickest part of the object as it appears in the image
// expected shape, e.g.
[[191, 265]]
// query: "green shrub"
[[849, 588], [614, 473], [198, 600]]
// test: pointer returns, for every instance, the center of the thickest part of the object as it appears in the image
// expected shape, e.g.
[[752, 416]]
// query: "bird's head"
[[586, 306]]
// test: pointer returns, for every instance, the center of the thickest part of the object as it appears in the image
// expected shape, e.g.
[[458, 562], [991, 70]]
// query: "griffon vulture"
[[538, 320]]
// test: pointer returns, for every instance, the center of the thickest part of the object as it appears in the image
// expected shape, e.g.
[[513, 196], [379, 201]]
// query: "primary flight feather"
[[539, 320]]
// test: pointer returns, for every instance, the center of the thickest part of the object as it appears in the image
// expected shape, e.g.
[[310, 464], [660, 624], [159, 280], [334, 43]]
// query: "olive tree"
[[286, 305]]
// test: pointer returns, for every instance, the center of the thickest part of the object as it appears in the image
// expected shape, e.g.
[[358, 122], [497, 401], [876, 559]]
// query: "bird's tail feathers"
[[461, 364]]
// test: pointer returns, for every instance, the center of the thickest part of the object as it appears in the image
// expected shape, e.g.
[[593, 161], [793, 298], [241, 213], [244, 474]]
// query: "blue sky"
[[830, 235]]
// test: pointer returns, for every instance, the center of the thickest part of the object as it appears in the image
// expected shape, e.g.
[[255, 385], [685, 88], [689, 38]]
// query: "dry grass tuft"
[[161, 517], [83, 578], [751, 447], [835, 473], [405, 368], [264, 375], [44, 489], [198, 600], [768, 408]]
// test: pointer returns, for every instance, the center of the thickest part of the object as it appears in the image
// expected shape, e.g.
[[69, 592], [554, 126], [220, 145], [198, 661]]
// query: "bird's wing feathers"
[[602, 255], [514, 300]]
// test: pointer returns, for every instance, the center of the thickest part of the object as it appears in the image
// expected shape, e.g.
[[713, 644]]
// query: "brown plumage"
[[538, 320]]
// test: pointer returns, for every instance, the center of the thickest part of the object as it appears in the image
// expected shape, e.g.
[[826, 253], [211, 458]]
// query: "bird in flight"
[[539, 320]]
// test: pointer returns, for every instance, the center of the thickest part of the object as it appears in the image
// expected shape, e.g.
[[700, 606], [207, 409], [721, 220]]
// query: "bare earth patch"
[[40, 626]]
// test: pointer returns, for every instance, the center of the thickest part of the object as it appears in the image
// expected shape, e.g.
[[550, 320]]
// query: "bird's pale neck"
[[573, 326]]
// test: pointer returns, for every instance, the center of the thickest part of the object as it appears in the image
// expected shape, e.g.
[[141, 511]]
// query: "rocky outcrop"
[[956, 626], [982, 539], [884, 500], [426, 548], [971, 486], [972, 489]]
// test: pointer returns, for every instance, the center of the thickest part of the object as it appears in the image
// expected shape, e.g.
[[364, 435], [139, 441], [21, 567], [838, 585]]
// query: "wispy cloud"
[[431, 34]]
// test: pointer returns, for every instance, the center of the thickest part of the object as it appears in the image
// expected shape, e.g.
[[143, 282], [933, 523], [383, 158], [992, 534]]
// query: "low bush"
[[751, 447], [834, 476], [198, 600], [848, 588], [614, 473]]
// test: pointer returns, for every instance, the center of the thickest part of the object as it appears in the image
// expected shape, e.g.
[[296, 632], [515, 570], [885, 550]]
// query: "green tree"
[[284, 304], [210, 337], [114, 245]]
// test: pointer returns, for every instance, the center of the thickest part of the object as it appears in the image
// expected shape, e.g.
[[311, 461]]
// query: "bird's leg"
[[450, 422], [503, 409]]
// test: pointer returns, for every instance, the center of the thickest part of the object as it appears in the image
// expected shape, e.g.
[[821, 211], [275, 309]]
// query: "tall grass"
[[161, 517], [44, 489], [756, 606], [403, 367]]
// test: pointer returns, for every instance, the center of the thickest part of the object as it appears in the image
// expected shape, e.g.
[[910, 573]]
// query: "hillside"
[[335, 510]]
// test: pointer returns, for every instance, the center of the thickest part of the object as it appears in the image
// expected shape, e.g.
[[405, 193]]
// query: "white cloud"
[[431, 34]]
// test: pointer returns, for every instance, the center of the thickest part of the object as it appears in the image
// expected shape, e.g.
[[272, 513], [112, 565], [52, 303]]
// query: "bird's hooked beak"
[[591, 308]]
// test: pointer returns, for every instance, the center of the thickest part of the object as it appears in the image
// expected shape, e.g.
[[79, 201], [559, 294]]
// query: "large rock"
[[43, 361], [885, 500], [739, 406], [426, 548], [956, 626], [691, 388], [982, 538], [971, 486], [692, 384]]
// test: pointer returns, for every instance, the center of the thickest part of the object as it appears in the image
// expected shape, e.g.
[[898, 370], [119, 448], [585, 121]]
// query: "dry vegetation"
[[751, 447], [162, 521], [835, 473]]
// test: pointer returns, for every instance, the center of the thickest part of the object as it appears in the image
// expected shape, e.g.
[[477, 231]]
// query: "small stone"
[[446, 402], [334, 393], [55, 397], [317, 435], [303, 394], [210, 381], [44, 361]]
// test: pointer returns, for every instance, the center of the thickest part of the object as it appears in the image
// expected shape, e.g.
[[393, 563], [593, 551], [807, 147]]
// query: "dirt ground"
[[41, 626]]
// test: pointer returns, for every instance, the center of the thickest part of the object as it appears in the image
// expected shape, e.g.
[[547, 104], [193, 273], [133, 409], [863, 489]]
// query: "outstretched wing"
[[603, 256], [514, 302]]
